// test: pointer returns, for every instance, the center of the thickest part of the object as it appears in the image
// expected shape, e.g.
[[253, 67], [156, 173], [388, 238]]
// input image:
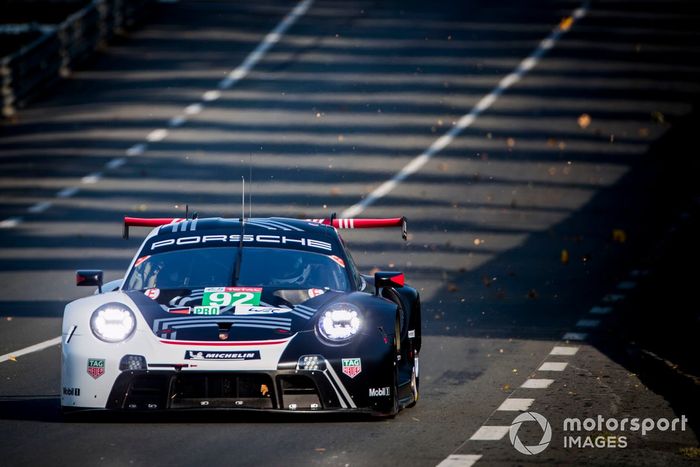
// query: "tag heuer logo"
[[352, 366], [96, 367]]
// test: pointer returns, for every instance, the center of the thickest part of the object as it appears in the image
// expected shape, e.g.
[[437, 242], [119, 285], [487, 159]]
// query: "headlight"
[[113, 322], [339, 322]]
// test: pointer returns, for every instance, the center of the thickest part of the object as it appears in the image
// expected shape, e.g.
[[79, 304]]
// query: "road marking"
[[460, 460], [30, 349], [587, 323], [157, 135], [177, 121], [553, 366], [560, 350], [627, 285], [10, 222], [193, 109], [67, 192], [115, 163], [490, 433], [92, 178], [515, 404], [211, 96], [600, 310], [537, 383], [136, 150], [466, 120], [613, 298], [575, 336], [270, 39], [40, 207]]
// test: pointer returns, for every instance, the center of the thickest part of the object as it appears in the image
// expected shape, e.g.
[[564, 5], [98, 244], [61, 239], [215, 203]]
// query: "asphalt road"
[[534, 214]]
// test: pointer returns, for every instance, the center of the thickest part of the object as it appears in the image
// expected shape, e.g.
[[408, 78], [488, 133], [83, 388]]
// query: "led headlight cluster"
[[340, 322], [113, 322]]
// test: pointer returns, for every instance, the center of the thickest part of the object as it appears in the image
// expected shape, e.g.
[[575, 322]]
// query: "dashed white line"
[[40, 207], [516, 404], [30, 349], [574, 336], [92, 178], [490, 433], [136, 150], [115, 163], [67, 192], [157, 135], [10, 222], [600, 310], [193, 109], [561, 350], [176, 121], [587, 323], [465, 121], [553, 366], [460, 460], [211, 96], [537, 383]]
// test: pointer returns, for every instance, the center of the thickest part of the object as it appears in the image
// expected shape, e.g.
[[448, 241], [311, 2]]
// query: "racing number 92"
[[232, 296]]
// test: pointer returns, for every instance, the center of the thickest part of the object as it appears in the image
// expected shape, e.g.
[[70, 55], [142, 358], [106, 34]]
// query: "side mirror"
[[383, 279], [87, 277]]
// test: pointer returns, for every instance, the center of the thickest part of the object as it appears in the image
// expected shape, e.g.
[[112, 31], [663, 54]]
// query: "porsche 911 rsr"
[[255, 314]]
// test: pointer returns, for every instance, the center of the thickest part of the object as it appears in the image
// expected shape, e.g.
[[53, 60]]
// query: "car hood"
[[169, 322]]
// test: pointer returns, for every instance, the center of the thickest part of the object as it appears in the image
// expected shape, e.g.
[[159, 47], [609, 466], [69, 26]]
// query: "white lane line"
[[560, 350], [30, 349], [67, 192], [537, 383], [157, 135], [177, 121], [115, 163], [553, 366], [40, 207], [627, 285], [490, 433], [587, 323], [515, 404], [600, 310], [193, 109], [92, 178], [136, 150], [10, 222], [211, 96], [270, 39], [574, 336], [466, 120], [460, 460], [613, 298]]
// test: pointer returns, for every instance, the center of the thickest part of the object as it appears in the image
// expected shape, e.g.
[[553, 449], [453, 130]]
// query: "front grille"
[[299, 392], [220, 390]]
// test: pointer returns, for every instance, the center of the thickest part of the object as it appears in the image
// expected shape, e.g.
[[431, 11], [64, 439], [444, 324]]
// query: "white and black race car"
[[255, 314]]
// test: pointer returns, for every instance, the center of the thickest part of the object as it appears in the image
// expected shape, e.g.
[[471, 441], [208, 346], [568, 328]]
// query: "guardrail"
[[53, 51]]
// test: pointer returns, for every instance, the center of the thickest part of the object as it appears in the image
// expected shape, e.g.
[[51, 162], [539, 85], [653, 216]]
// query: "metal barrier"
[[53, 51]]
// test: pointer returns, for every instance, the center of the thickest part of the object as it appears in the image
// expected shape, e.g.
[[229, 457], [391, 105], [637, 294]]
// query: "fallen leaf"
[[12, 358], [566, 23], [658, 117], [510, 142], [565, 256], [451, 287], [335, 191], [619, 236], [320, 449], [584, 120]]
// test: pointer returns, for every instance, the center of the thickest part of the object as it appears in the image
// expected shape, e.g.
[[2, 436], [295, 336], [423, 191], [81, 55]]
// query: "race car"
[[243, 314]]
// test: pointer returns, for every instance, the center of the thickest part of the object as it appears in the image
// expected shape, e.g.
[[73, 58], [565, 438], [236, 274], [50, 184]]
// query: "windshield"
[[214, 267]]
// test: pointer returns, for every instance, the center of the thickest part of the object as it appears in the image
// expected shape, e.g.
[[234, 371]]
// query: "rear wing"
[[333, 221]]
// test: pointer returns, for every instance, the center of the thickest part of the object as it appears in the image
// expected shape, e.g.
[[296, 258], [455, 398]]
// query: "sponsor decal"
[[259, 310], [380, 392], [411, 333], [71, 391], [181, 310], [231, 296], [227, 356], [352, 366], [141, 260], [96, 367], [338, 260], [316, 292], [152, 293], [206, 310], [275, 239]]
